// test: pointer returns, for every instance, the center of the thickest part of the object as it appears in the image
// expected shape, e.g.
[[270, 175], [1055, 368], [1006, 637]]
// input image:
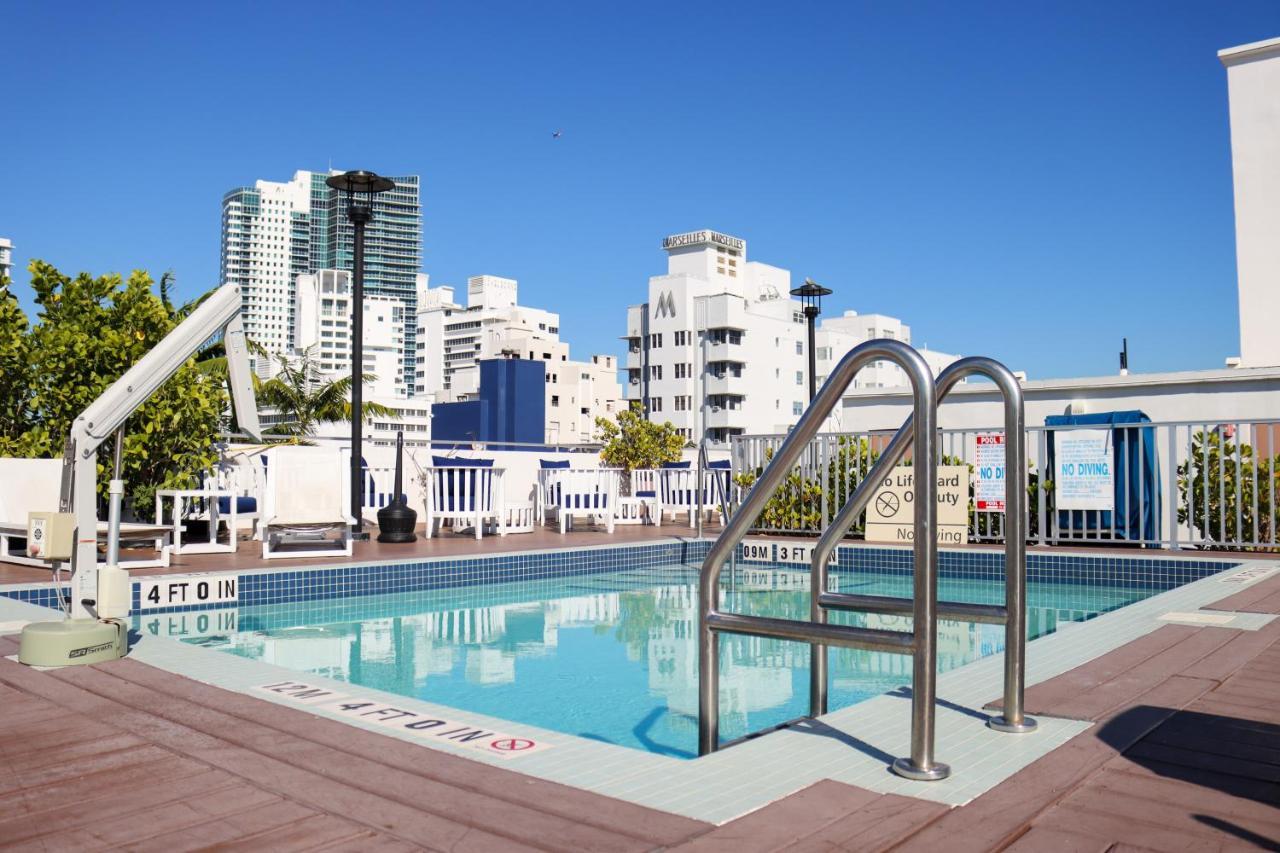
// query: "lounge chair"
[[592, 492], [35, 485], [306, 497], [678, 492], [464, 490]]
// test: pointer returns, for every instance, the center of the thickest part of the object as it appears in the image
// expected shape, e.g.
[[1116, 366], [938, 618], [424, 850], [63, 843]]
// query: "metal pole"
[[921, 766], [779, 467], [811, 313], [1015, 552], [358, 215], [117, 495], [703, 403]]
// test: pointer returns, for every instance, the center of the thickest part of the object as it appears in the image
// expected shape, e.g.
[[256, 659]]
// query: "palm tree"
[[303, 397]]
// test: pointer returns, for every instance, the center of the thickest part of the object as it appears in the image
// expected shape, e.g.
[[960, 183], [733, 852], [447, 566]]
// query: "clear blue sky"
[[1030, 181]]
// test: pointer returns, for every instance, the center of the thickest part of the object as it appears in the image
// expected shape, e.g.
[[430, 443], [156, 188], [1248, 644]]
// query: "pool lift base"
[[73, 641]]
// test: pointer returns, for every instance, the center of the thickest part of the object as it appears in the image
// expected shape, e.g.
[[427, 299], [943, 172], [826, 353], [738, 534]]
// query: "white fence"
[[1182, 484]]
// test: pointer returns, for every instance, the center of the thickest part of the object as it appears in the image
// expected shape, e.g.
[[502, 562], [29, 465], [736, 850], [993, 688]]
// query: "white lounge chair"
[[35, 485], [592, 492], [678, 492], [464, 493], [307, 496]]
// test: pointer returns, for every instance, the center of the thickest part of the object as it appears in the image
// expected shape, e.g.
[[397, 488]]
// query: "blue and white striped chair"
[[592, 492], [461, 492], [678, 490]]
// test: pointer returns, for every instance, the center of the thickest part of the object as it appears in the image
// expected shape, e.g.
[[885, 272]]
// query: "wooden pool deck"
[[1185, 756]]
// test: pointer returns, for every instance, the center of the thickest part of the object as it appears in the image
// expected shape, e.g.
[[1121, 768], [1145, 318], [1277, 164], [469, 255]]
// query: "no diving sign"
[[427, 727]]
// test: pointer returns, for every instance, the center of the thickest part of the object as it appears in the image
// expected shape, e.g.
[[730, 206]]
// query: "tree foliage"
[[90, 331], [1226, 493], [633, 442], [303, 398]]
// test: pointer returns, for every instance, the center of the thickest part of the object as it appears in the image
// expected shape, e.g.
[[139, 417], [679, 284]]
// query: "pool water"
[[613, 656]]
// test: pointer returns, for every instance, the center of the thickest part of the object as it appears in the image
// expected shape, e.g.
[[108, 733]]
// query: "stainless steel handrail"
[[1013, 614], [921, 641]]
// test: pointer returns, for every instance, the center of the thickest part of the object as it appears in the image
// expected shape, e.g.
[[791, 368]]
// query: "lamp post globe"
[[358, 189], [810, 295]]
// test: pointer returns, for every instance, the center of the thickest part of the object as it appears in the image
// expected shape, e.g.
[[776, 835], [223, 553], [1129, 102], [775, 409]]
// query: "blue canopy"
[[1137, 477]]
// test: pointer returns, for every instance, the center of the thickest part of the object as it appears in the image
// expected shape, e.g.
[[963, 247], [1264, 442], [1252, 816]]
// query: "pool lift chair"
[[920, 641], [95, 629]]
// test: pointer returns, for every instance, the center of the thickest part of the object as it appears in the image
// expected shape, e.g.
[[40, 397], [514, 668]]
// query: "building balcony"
[[732, 353], [634, 360], [723, 417], [727, 384]]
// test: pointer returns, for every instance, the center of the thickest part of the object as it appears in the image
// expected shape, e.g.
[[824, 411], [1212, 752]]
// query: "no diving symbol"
[[512, 744], [887, 505]]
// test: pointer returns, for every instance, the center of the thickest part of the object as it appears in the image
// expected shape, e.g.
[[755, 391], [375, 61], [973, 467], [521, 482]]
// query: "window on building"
[[797, 408], [735, 337], [799, 348], [799, 377], [555, 399], [655, 404]]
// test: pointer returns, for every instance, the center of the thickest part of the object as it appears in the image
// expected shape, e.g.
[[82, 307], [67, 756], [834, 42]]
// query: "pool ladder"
[[920, 429]]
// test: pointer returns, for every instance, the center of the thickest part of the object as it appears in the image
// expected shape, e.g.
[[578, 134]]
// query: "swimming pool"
[[611, 654]]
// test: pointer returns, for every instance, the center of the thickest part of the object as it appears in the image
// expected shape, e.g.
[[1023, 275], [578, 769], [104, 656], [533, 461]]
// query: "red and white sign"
[[427, 727], [988, 491]]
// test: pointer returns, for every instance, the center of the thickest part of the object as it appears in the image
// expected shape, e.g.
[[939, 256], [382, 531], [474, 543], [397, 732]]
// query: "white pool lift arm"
[[219, 313]]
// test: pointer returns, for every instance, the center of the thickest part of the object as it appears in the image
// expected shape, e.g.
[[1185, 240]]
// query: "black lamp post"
[[810, 295], [358, 189]]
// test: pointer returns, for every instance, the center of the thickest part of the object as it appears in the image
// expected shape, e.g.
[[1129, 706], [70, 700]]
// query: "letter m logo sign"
[[666, 305]]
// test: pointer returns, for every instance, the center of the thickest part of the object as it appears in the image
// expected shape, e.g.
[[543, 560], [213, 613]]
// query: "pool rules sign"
[[891, 514]]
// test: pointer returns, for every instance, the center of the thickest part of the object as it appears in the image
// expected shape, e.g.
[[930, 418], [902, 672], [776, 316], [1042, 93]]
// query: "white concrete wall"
[[1253, 82]]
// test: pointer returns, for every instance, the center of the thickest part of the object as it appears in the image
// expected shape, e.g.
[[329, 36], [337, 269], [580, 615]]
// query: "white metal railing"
[[1178, 484]]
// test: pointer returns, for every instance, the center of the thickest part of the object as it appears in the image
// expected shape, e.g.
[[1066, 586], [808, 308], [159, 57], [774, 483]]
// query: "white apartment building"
[[756, 361], [835, 336], [755, 337], [6, 258], [323, 325], [1253, 80], [272, 232], [453, 338]]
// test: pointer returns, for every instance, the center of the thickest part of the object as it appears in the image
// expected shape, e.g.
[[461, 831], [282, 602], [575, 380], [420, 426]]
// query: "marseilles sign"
[[428, 728], [891, 514], [700, 238]]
